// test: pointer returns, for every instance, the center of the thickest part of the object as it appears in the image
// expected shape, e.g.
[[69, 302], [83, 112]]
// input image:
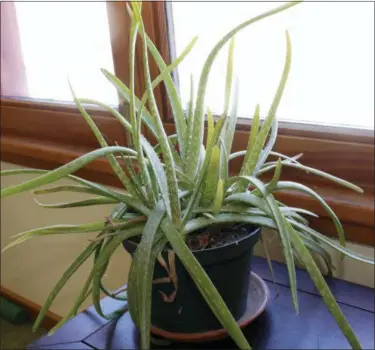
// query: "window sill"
[[356, 211]]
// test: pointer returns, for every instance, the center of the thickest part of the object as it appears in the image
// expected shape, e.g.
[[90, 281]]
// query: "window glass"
[[332, 74], [65, 39]]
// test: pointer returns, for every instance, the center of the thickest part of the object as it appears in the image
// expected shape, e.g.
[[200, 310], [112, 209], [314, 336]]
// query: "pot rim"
[[255, 231]]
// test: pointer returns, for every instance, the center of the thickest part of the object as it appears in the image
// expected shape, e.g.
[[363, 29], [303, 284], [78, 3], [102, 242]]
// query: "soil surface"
[[217, 237], [212, 237]]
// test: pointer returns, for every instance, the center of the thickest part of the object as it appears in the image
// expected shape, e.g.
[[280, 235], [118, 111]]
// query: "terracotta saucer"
[[257, 300]]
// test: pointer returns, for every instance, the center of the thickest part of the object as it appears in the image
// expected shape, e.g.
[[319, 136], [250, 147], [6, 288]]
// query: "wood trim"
[[57, 123], [51, 319]]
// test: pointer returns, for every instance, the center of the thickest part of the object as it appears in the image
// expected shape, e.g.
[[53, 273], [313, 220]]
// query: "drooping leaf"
[[81, 203], [325, 175], [286, 246], [64, 170], [324, 290], [288, 185], [66, 188], [332, 243]]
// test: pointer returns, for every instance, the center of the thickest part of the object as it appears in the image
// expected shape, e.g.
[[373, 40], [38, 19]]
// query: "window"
[[332, 76], [58, 40], [327, 110]]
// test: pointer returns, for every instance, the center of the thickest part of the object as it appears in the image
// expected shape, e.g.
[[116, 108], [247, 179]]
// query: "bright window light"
[[61, 39], [332, 74]]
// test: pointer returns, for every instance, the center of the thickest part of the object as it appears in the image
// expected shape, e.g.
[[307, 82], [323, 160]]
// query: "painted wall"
[[31, 269]]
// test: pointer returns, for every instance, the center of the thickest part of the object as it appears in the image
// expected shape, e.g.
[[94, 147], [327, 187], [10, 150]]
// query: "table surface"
[[277, 328]]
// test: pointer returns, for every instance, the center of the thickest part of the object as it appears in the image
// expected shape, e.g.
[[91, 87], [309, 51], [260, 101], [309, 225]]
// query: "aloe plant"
[[160, 204]]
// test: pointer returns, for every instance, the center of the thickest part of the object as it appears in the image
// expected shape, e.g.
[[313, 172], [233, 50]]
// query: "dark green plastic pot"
[[228, 267]]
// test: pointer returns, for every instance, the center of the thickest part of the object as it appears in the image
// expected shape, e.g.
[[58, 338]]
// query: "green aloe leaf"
[[137, 122], [269, 260], [165, 72], [81, 203], [110, 109], [330, 242], [197, 139], [324, 291], [250, 199], [286, 246], [269, 146], [250, 165], [224, 169], [136, 179], [125, 93], [272, 165], [199, 182], [211, 178], [145, 272], [190, 113], [167, 153], [66, 188], [101, 264], [210, 126], [65, 229], [96, 188], [172, 93], [159, 174], [228, 218], [229, 77], [172, 140], [111, 158], [272, 153], [232, 120], [288, 185], [218, 201], [252, 138], [325, 175], [276, 177], [64, 170], [316, 247]]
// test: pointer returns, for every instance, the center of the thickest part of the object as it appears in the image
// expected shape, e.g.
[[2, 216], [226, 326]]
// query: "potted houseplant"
[[180, 202]]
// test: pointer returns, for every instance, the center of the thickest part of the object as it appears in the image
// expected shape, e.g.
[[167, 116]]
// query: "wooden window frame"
[[30, 136]]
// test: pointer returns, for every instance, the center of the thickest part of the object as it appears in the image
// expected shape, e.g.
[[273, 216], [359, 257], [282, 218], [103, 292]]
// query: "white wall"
[[31, 269]]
